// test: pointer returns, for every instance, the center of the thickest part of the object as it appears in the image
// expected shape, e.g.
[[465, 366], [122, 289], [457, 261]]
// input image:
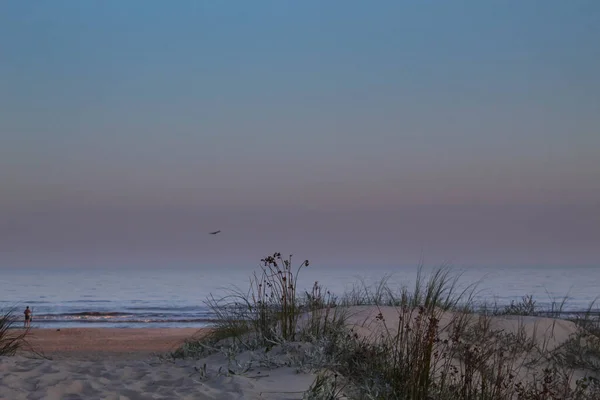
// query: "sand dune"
[[122, 363]]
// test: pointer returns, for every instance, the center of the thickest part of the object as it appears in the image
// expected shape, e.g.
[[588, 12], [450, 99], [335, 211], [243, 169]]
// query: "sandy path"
[[91, 343]]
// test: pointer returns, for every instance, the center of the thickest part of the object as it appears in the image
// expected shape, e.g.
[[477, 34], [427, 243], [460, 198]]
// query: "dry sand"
[[94, 343], [105, 363]]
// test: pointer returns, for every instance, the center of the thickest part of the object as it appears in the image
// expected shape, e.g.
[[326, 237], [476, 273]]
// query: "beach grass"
[[269, 312], [11, 339], [429, 341]]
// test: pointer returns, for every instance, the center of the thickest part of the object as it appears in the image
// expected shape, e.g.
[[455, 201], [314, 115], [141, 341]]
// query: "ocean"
[[172, 297]]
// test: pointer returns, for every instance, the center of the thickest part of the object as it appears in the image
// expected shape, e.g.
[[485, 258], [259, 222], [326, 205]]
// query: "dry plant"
[[269, 312], [583, 350], [12, 339], [439, 348]]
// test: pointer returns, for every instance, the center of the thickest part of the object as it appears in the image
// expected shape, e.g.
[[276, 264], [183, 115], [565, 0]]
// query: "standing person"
[[27, 317]]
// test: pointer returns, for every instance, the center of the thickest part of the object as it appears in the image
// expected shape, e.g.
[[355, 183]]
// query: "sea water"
[[173, 297]]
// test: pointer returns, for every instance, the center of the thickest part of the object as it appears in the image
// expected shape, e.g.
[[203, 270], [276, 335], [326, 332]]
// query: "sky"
[[347, 132]]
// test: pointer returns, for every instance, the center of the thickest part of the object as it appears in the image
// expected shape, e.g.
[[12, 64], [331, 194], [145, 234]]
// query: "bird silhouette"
[[215, 232]]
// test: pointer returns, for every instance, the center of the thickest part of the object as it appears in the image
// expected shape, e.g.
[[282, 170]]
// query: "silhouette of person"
[[27, 317]]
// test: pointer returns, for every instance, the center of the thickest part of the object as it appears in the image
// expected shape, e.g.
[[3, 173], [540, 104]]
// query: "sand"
[[102, 363], [124, 364], [95, 343]]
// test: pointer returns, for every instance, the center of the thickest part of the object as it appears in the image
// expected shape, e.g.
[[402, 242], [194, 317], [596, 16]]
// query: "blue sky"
[[303, 111]]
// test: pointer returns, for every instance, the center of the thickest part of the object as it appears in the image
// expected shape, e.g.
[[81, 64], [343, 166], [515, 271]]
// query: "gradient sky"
[[342, 131]]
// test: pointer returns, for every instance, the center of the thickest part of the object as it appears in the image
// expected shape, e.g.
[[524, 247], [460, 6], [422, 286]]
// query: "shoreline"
[[42, 328]]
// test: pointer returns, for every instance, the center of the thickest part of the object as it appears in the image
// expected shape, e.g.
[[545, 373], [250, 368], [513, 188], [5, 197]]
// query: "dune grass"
[[269, 312], [11, 340], [442, 345]]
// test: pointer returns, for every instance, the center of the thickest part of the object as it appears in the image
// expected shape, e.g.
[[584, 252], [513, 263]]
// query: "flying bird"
[[215, 232]]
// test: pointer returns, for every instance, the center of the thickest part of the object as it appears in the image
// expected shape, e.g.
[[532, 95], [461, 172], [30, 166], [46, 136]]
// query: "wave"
[[96, 314], [29, 302], [130, 321], [156, 308], [116, 316], [111, 314], [86, 301]]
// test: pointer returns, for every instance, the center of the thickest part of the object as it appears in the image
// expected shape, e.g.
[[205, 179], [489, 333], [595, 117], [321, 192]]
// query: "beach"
[[118, 342], [128, 364]]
